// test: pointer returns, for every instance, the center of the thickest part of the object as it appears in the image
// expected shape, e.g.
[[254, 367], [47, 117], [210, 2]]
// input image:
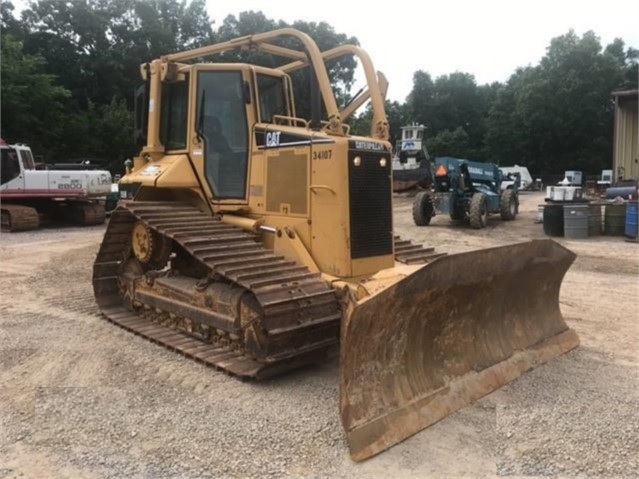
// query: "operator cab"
[[25, 155], [222, 126], [9, 165], [15, 159], [223, 118]]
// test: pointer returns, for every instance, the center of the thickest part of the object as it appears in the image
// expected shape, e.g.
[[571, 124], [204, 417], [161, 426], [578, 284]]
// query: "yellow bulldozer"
[[256, 241]]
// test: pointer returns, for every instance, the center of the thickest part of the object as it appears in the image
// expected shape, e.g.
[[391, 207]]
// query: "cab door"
[[11, 174], [221, 122]]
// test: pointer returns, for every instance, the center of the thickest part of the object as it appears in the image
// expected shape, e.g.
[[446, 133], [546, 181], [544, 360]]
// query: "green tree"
[[506, 139], [396, 114], [421, 98], [450, 143], [32, 104], [452, 103], [8, 23], [628, 60], [340, 70], [94, 49], [558, 115]]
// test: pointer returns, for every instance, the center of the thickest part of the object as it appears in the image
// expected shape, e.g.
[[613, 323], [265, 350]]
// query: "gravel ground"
[[80, 397]]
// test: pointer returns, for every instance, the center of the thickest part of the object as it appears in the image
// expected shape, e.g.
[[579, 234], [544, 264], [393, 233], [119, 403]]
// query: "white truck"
[[410, 163], [572, 178], [605, 181], [26, 194], [524, 174]]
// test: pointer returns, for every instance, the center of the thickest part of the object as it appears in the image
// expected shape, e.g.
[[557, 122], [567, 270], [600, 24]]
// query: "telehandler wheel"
[[508, 205], [423, 209], [457, 211], [478, 211]]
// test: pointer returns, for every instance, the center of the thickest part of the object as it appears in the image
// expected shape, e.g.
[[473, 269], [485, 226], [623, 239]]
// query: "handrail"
[[377, 86], [311, 55]]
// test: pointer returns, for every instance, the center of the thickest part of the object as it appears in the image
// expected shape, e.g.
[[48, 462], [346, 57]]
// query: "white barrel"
[[579, 194], [549, 192], [558, 193]]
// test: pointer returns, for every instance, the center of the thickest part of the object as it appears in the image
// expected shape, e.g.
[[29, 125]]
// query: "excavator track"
[[297, 306], [19, 218], [76, 212], [88, 214]]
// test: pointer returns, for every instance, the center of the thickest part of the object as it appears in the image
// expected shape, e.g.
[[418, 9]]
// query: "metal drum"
[[615, 219], [594, 220], [554, 220], [625, 192], [576, 221]]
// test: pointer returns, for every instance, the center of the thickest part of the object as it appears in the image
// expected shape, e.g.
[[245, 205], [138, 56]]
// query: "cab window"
[[173, 115], [27, 160], [221, 122], [272, 96], [9, 165]]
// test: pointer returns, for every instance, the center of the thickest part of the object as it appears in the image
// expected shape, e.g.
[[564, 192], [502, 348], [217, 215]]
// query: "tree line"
[[69, 70], [551, 117]]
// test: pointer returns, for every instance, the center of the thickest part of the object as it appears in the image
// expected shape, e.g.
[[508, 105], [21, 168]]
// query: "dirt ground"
[[80, 397]]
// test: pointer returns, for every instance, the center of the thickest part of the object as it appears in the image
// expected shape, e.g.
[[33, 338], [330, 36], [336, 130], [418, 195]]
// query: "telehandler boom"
[[257, 241]]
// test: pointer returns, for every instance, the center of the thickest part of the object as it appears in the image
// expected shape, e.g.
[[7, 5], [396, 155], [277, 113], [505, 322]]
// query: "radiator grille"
[[370, 197]]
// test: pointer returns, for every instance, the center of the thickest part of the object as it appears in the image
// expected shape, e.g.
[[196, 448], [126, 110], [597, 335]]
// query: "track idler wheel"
[[149, 246]]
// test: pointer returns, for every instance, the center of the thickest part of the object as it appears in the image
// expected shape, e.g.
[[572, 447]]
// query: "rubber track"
[[89, 214], [283, 288], [22, 218]]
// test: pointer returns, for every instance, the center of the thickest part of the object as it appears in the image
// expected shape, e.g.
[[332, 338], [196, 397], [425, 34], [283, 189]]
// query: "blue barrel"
[[576, 221], [631, 219]]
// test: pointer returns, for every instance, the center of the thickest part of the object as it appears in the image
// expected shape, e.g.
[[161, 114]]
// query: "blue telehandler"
[[467, 191]]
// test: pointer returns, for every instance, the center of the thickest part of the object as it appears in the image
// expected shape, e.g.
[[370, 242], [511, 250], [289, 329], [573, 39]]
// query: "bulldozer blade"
[[446, 335]]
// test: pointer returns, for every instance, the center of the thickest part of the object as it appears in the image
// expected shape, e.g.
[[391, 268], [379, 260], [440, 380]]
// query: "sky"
[[488, 38]]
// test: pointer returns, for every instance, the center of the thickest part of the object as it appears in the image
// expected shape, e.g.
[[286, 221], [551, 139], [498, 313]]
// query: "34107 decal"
[[322, 154]]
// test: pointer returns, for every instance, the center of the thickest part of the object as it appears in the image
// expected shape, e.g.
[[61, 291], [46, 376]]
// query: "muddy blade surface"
[[441, 338]]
